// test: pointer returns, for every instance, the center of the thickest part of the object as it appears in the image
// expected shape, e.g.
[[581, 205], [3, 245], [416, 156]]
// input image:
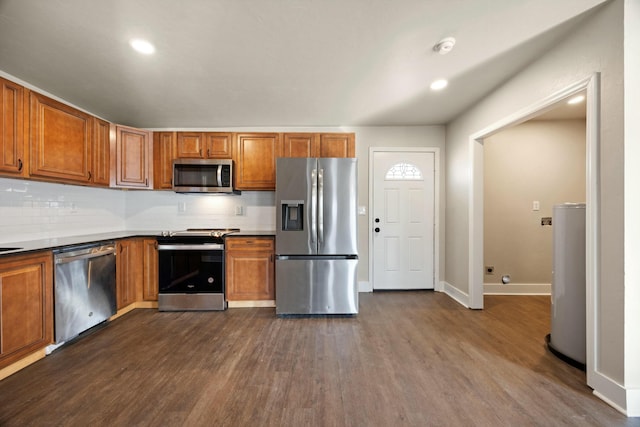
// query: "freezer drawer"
[[316, 286]]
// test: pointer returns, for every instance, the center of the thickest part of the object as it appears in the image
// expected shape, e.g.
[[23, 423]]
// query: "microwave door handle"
[[314, 204], [219, 175], [321, 206]]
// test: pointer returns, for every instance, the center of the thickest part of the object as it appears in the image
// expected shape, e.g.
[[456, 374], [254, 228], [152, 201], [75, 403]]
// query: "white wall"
[[632, 205], [595, 47], [33, 210], [541, 160]]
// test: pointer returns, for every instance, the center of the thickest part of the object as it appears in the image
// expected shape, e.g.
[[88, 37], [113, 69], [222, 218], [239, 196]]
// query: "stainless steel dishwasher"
[[85, 288]]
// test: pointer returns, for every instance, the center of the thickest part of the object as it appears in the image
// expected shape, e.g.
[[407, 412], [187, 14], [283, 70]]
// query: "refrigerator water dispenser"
[[292, 214]]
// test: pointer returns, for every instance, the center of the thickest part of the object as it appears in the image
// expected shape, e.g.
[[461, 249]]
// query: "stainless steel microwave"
[[203, 176]]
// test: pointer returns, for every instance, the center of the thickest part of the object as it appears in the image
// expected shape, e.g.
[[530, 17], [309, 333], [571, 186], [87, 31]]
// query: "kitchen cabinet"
[[12, 132], [150, 270], [163, 155], [255, 160], [133, 158], [60, 141], [300, 145], [26, 305], [204, 145], [318, 145], [100, 173], [337, 145], [129, 271], [250, 268]]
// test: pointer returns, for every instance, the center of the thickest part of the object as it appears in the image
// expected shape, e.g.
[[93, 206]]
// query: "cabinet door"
[[101, 164], [163, 155], [189, 145], [218, 145], [250, 269], [60, 141], [150, 279], [133, 158], [300, 145], [337, 145], [26, 312], [129, 271], [12, 142], [255, 160]]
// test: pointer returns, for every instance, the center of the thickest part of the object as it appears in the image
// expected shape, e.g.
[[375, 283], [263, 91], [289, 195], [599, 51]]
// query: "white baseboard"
[[633, 402], [455, 293], [365, 286], [608, 390], [517, 289]]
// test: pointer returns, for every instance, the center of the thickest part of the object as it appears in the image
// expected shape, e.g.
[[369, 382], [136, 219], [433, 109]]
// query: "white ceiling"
[[228, 63]]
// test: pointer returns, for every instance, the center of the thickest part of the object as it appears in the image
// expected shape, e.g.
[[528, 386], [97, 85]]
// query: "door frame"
[[476, 195], [438, 285]]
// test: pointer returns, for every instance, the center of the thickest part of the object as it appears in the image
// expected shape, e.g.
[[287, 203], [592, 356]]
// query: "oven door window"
[[191, 271]]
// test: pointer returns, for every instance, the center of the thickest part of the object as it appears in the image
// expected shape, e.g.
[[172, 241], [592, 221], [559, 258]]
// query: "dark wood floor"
[[408, 358]]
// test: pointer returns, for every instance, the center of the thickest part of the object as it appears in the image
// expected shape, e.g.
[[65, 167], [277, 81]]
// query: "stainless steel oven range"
[[191, 270]]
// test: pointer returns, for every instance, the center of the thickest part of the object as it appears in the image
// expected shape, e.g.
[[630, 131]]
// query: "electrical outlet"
[[536, 205], [489, 269], [239, 210]]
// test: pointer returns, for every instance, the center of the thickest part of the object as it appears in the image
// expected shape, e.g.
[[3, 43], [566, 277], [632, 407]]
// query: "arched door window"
[[403, 172]]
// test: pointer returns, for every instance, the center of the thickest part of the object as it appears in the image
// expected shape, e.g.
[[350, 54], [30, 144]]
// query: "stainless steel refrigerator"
[[316, 242]]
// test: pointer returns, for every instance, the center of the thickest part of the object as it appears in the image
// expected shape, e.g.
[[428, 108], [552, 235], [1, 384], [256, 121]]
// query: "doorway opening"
[[591, 86]]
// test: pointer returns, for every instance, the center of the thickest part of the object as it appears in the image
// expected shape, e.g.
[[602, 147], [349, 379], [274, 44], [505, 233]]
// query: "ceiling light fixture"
[[439, 84], [576, 100], [445, 45], [142, 46]]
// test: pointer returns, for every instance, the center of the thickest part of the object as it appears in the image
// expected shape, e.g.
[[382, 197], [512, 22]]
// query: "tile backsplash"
[[166, 210], [31, 210]]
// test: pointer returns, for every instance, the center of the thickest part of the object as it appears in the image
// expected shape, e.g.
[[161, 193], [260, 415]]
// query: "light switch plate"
[[536, 205]]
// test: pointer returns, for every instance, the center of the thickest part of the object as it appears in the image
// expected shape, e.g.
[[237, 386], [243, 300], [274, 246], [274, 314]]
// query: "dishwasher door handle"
[[62, 259]]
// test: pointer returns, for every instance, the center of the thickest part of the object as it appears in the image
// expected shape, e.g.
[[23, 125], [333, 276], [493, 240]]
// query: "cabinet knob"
[[89, 178], [20, 165], [377, 229]]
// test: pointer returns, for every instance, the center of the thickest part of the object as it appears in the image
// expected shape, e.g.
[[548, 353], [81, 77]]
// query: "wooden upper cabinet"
[[100, 172], [255, 160], [190, 145], [163, 155], [300, 145], [132, 158], [337, 145], [12, 131], [60, 139], [218, 145], [204, 145]]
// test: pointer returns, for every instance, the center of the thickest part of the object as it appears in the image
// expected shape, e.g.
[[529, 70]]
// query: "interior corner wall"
[[595, 47], [632, 204], [541, 160]]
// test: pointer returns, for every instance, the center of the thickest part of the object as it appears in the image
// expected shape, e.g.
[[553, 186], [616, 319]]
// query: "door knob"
[[377, 229]]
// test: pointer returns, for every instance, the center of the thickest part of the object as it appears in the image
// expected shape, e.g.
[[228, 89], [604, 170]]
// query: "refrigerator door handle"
[[314, 204], [321, 207]]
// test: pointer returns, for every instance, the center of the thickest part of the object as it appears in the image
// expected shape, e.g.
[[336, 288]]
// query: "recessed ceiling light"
[[439, 84], [576, 100], [142, 46]]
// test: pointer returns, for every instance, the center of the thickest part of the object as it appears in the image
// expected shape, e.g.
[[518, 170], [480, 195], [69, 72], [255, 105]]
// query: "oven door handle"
[[204, 247]]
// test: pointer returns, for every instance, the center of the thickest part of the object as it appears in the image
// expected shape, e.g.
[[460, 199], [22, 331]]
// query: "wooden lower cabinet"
[[150, 270], [26, 305], [129, 271], [250, 268]]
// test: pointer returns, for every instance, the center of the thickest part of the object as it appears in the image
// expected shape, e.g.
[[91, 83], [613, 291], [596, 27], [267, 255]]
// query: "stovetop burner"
[[203, 232]]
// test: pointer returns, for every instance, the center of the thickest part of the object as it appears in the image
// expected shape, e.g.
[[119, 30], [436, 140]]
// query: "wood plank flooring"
[[408, 358]]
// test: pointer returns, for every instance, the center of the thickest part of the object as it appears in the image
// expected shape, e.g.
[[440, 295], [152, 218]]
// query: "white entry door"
[[403, 220]]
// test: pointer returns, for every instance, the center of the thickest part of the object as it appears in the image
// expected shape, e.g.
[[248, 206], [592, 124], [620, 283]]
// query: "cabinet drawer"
[[250, 244]]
